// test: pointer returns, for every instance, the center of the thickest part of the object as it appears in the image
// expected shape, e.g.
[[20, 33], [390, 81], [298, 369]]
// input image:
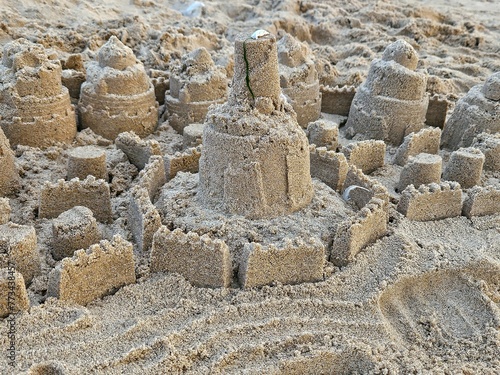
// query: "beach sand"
[[424, 298]]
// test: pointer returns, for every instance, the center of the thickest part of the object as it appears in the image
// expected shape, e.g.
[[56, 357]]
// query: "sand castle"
[[475, 113], [299, 79], [392, 102], [35, 108], [195, 86], [118, 96], [255, 159]]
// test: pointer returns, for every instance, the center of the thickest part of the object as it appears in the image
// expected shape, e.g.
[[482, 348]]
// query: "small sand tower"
[[118, 95], [392, 102], [299, 79], [475, 113], [255, 160], [9, 178], [195, 86], [35, 108]]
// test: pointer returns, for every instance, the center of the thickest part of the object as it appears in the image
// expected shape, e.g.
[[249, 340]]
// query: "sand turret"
[[35, 109], [299, 79], [255, 160], [118, 95], [392, 102], [475, 113], [197, 84], [9, 178]]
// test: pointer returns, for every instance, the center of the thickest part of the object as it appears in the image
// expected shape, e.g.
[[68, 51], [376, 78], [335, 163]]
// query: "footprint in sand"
[[440, 308]]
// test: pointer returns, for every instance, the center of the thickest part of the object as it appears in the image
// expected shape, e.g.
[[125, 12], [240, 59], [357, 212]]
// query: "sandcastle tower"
[[196, 85], [299, 79], [392, 102], [475, 113], [35, 108], [118, 95], [255, 159], [9, 178]]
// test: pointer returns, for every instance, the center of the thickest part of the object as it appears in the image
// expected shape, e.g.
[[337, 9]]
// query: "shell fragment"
[[259, 33]]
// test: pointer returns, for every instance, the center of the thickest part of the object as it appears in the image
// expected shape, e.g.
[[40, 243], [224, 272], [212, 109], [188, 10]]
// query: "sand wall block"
[[161, 83], [337, 100], [93, 273], [152, 177], [369, 224], [87, 160], [371, 188], [366, 155], [203, 261], [73, 230], [294, 262], [425, 141], [186, 161], [431, 201], [143, 218], [481, 201], [328, 166], [9, 177], [323, 133], [4, 210], [13, 296], [421, 169], [489, 145], [18, 245], [55, 198], [465, 166], [436, 111], [137, 150], [192, 135]]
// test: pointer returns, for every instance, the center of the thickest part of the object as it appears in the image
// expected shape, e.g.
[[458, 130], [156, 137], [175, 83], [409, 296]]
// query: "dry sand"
[[425, 298]]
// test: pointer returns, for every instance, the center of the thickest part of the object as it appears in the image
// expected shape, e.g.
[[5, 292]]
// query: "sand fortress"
[[35, 108], [118, 96], [475, 113], [392, 102], [255, 160]]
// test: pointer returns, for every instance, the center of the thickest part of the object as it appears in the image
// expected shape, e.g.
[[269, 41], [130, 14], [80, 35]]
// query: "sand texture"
[[249, 187]]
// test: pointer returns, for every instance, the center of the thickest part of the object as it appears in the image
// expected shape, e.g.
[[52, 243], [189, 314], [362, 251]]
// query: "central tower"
[[255, 158]]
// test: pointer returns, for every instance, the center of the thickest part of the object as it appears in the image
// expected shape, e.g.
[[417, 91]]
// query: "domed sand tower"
[[255, 159], [475, 113], [35, 108], [195, 86], [392, 102], [118, 95]]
